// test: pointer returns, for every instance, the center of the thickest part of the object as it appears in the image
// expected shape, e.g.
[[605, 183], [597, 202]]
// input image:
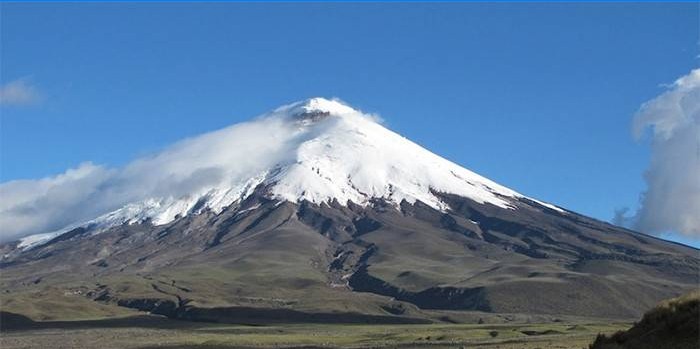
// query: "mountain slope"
[[340, 219]]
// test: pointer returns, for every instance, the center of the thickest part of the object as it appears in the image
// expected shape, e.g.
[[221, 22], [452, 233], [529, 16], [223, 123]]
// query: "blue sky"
[[538, 97]]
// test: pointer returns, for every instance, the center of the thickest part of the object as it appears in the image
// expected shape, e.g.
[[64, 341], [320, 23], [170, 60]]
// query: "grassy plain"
[[148, 332]]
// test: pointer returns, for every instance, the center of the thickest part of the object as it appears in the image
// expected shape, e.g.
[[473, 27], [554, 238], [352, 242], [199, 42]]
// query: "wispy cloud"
[[671, 202], [19, 92], [192, 166], [229, 159]]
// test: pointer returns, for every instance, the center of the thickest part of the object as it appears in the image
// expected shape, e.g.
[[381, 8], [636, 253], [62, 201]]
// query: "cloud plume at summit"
[[82, 193]]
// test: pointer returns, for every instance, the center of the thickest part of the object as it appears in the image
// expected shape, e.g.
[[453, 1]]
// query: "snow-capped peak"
[[353, 158], [316, 106], [317, 150]]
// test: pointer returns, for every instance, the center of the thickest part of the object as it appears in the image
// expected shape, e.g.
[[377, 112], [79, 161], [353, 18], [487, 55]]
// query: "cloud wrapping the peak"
[[317, 150], [189, 168], [19, 92], [671, 202]]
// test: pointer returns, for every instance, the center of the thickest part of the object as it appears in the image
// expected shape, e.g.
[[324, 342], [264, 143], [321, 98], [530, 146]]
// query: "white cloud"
[[50, 203], [228, 158], [88, 191], [671, 202], [19, 92]]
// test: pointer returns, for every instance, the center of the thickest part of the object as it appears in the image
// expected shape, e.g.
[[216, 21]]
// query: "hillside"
[[673, 324]]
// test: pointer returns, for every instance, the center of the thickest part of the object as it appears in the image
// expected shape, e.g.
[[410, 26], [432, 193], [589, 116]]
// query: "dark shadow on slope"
[[197, 317], [17, 322], [257, 316], [452, 298], [260, 316]]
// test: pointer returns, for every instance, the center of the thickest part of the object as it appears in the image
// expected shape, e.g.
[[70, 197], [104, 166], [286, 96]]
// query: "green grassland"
[[146, 332]]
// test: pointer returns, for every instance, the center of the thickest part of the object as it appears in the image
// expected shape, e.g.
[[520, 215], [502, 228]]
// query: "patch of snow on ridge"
[[548, 205], [30, 241]]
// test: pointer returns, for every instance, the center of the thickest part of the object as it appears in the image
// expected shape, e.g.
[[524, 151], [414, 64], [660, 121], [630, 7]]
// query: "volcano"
[[315, 212]]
